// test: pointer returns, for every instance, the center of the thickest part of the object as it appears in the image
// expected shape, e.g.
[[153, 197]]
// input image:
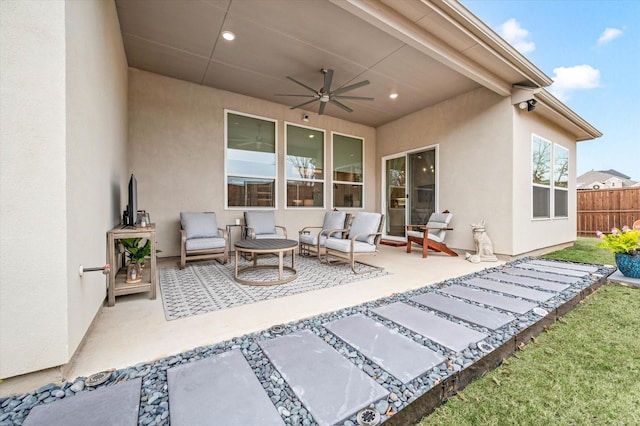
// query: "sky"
[[591, 50]]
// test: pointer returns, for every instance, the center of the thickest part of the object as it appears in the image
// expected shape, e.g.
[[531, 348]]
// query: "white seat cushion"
[[312, 239], [345, 246], [205, 243], [265, 236], [432, 236]]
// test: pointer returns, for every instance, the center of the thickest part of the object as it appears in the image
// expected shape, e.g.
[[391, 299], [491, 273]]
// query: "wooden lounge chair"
[[431, 236]]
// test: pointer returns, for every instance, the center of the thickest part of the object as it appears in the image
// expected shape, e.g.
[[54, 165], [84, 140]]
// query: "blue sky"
[[591, 49]]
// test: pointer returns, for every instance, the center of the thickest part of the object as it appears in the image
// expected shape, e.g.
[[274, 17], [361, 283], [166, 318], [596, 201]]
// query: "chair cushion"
[[312, 239], [199, 224], [345, 245], [265, 236], [438, 220], [432, 236], [205, 243], [262, 222], [366, 223], [334, 220]]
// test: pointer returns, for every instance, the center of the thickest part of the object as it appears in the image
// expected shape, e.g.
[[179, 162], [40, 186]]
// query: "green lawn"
[[584, 371]]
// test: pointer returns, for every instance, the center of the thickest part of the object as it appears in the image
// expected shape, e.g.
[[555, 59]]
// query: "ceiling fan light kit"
[[325, 95]]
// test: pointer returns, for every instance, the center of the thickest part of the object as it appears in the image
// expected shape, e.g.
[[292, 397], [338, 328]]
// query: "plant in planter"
[[625, 244], [136, 254]]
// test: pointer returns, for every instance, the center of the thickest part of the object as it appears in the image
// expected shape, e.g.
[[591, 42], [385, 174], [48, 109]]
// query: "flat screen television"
[[131, 213]]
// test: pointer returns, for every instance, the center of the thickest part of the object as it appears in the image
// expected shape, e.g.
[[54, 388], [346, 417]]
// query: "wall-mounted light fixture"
[[529, 105], [305, 118]]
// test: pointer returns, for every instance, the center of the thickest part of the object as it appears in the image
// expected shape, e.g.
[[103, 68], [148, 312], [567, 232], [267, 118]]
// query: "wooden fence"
[[603, 209]]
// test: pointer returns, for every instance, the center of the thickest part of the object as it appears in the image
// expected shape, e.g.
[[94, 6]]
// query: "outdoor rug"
[[209, 286]]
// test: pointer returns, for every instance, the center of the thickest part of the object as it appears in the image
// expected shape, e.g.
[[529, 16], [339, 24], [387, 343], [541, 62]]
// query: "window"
[[305, 168], [348, 154], [560, 181], [550, 175], [250, 161]]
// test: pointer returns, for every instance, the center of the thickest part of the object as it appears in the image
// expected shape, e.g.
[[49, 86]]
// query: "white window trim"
[[552, 187], [226, 174], [323, 181], [363, 202]]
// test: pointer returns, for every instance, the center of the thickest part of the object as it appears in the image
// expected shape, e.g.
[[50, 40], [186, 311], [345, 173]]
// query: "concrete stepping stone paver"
[[542, 275], [444, 332], [116, 405], [331, 388], [396, 354], [528, 281], [515, 290], [553, 270], [465, 311], [505, 303], [218, 390], [573, 266]]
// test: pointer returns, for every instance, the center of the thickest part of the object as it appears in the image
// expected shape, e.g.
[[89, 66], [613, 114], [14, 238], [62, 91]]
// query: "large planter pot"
[[628, 265]]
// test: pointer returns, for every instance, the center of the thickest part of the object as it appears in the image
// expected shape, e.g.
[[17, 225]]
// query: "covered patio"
[[135, 329]]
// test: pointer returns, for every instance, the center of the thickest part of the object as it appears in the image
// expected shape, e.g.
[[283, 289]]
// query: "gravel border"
[[154, 398]]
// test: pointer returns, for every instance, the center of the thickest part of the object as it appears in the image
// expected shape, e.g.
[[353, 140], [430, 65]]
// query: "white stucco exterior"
[[62, 162]]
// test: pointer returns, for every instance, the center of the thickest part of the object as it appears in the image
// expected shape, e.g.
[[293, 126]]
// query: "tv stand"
[[118, 273]]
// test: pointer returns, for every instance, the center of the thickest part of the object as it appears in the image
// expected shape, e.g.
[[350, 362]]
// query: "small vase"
[[628, 265], [134, 273]]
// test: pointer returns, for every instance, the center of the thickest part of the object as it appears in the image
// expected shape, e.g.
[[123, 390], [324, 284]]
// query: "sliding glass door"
[[410, 190]]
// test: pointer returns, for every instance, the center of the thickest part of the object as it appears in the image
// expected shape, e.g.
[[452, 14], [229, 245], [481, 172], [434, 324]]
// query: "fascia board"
[[387, 19], [566, 117]]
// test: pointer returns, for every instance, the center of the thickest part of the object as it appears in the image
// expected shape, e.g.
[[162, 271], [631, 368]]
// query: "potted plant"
[[136, 254], [625, 245]]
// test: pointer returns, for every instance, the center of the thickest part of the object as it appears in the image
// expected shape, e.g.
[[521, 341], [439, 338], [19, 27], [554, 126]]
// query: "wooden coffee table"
[[266, 246]]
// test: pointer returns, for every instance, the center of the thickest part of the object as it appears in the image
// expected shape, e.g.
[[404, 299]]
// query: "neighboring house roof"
[[604, 179]]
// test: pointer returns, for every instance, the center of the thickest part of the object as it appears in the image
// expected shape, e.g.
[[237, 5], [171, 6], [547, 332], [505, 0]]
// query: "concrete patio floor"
[[135, 329]]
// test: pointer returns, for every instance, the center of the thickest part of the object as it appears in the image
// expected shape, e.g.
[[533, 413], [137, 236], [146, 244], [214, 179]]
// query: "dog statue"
[[484, 247]]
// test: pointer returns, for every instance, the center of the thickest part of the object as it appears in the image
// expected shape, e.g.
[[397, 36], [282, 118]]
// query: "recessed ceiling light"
[[311, 136], [394, 95], [228, 35]]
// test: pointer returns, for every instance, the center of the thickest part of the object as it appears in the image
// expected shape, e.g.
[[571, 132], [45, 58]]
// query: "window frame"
[[552, 186], [322, 181], [274, 178], [335, 182]]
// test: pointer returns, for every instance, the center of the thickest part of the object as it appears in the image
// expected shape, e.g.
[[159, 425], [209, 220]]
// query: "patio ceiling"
[[413, 48]]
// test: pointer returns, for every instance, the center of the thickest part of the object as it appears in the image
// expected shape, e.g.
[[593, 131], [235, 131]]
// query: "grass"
[[584, 370], [584, 250]]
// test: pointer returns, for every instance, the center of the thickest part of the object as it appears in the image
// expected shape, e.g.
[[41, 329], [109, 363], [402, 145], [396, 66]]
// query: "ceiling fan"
[[325, 95]]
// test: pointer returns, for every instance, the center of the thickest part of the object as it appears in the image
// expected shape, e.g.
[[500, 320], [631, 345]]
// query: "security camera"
[[305, 117]]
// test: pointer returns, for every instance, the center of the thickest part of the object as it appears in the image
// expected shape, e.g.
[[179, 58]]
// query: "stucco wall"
[[473, 133], [529, 234], [96, 82], [62, 162], [33, 234], [176, 151]]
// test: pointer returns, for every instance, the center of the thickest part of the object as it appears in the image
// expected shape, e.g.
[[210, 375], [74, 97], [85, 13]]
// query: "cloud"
[[569, 79], [608, 35], [516, 35]]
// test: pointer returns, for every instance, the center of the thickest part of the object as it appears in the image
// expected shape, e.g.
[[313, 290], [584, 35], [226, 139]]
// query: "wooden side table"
[[118, 273]]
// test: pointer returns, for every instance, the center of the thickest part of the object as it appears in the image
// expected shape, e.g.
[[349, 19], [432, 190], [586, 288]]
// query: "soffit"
[[279, 38]]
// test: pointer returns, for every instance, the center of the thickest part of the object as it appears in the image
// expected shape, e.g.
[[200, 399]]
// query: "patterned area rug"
[[209, 286]]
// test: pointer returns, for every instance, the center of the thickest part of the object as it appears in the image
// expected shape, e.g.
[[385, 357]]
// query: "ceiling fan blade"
[[359, 98], [321, 110], [350, 87], [328, 77], [301, 96], [303, 104], [302, 84], [341, 105]]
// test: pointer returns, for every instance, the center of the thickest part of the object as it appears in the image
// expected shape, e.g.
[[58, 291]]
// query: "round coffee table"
[[266, 246]]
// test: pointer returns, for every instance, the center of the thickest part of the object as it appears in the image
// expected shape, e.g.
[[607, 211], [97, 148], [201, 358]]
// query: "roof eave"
[[565, 117]]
